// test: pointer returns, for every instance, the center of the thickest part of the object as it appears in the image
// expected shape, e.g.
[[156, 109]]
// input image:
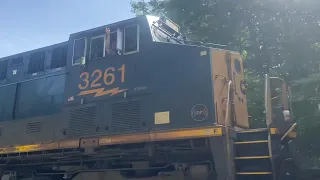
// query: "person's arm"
[[108, 50]]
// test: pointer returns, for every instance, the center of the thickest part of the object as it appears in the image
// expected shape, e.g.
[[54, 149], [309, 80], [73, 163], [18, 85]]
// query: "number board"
[[99, 82]]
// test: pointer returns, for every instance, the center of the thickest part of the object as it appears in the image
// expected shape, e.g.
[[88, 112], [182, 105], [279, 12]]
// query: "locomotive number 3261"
[[109, 76]]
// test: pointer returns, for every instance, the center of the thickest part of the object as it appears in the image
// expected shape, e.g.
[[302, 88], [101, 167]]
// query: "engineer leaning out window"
[[111, 43]]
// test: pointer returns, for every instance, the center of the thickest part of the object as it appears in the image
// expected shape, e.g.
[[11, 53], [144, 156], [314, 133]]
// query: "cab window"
[[131, 39], [36, 62], [79, 50], [111, 44], [59, 57], [97, 47]]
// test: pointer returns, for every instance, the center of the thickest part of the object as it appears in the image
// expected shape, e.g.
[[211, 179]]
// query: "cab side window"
[[131, 39], [97, 47], [111, 44], [59, 57], [36, 62], [79, 50], [103, 45]]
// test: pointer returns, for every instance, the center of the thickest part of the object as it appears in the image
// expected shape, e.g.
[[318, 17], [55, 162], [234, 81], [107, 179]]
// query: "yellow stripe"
[[120, 139], [253, 173], [252, 142], [41, 147], [253, 157], [159, 136], [29, 148]]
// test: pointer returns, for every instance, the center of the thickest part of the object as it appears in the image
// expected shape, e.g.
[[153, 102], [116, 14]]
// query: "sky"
[[31, 24]]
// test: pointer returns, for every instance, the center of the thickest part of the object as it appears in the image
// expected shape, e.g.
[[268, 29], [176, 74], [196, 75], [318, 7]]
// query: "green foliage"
[[281, 38]]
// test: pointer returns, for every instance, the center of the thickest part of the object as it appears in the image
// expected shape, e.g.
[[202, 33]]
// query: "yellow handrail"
[[286, 134], [226, 120], [227, 123]]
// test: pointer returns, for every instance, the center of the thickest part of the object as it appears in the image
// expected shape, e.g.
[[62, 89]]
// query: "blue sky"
[[31, 24]]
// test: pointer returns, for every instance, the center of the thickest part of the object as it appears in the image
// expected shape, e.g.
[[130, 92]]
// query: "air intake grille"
[[33, 127], [81, 121], [126, 116]]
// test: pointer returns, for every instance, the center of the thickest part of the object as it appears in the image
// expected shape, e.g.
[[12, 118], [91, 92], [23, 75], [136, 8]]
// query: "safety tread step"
[[251, 142], [253, 173], [252, 157]]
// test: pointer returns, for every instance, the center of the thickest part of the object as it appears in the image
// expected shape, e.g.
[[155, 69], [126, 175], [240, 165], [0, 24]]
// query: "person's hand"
[[108, 31]]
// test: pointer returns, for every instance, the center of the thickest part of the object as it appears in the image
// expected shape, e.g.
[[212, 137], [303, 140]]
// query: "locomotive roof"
[[115, 24], [32, 51]]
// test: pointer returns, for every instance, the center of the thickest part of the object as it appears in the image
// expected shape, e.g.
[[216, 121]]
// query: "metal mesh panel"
[[126, 116], [81, 121]]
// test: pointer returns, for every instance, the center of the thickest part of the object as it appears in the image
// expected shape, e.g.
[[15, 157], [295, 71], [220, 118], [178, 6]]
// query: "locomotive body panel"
[[150, 90], [77, 89]]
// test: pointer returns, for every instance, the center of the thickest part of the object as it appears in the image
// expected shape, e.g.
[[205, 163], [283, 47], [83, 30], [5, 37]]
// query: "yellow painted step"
[[252, 142], [253, 173], [252, 157], [253, 130]]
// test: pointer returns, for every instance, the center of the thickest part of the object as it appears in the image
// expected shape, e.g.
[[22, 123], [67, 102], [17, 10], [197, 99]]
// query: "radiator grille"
[[33, 127], [81, 121], [126, 116]]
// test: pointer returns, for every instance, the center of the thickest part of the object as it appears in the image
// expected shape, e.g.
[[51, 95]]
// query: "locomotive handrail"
[[290, 130], [226, 120], [284, 95], [227, 123], [267, 101]]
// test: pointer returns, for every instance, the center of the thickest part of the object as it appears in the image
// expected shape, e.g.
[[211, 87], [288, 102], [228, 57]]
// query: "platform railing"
[[267, 101], [285, 102], [268, 111], [286, 112], [289, 131]]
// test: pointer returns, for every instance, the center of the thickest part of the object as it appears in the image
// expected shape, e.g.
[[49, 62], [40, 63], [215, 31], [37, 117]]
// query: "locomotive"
[[132, 99]]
